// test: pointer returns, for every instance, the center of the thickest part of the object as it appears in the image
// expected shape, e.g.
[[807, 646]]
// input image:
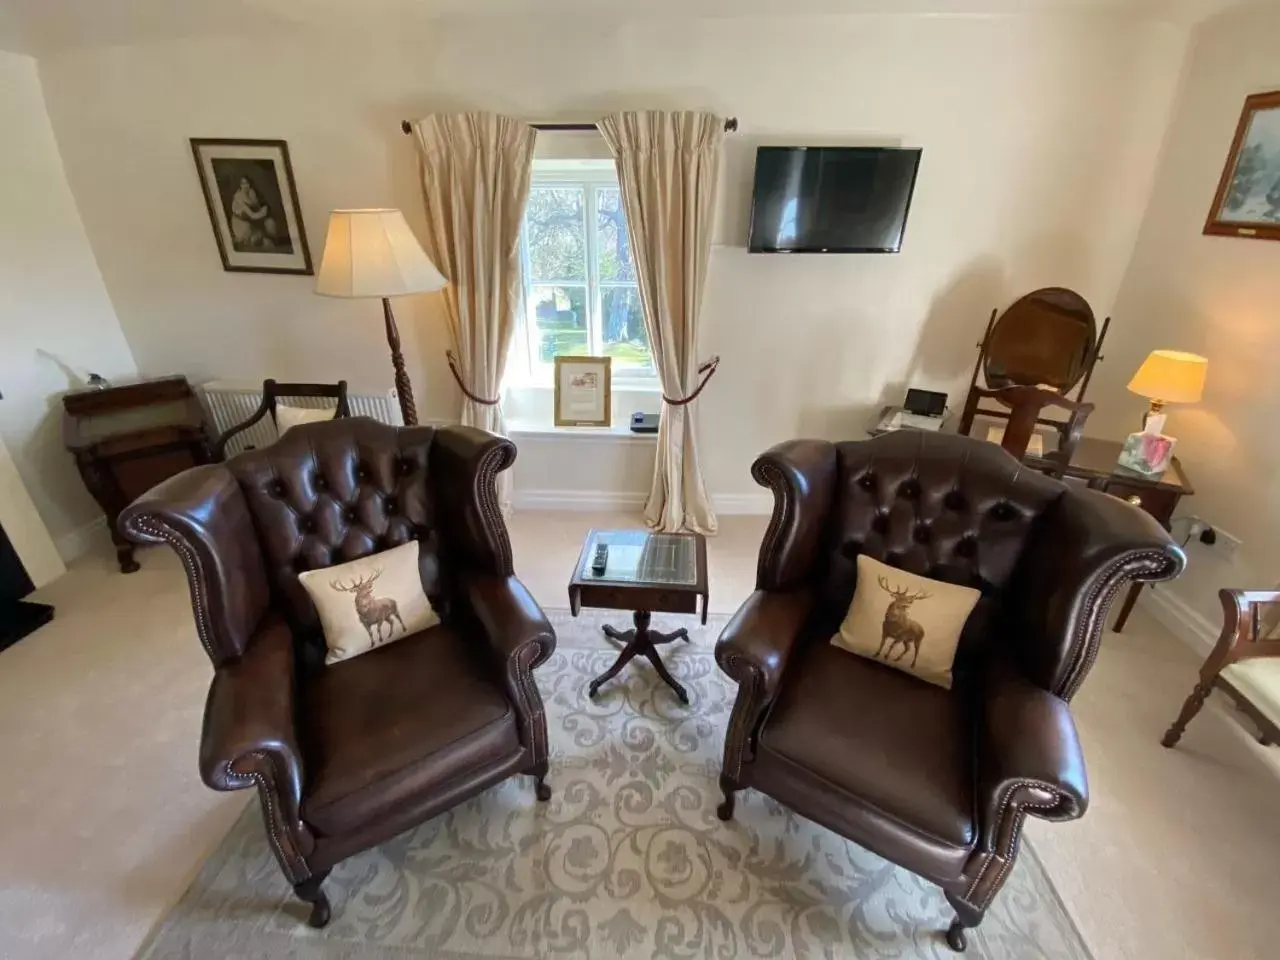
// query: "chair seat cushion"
[[896, 752], [404, 719], [1258, 681]]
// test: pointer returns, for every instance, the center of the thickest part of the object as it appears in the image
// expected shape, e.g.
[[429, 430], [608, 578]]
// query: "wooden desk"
[[1095, 464], [127, 439]]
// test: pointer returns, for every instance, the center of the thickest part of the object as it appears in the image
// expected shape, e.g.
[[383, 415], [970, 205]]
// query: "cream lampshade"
[[1169, 376], [373, 253]]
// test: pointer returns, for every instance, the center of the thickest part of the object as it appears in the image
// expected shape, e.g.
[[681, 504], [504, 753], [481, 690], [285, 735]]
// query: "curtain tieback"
[[457, 375], [707, 371]]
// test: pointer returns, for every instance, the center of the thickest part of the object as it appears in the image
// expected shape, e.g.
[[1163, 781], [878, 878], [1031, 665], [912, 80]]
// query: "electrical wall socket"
[[1227, 545]]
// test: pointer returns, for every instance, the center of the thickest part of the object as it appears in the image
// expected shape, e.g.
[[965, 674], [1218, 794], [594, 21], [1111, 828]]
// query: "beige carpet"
[[104, 822], [628, 858]]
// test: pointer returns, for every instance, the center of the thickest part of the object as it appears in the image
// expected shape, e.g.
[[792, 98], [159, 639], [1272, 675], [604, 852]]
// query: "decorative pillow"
[[371, 601], [907, 622], [288, 417]]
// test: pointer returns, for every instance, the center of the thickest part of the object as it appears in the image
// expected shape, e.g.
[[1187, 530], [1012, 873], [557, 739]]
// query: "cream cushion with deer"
[[369, 602], [906, 622]]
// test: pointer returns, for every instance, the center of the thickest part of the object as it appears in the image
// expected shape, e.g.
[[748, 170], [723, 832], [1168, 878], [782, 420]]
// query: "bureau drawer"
[[1155, 501]]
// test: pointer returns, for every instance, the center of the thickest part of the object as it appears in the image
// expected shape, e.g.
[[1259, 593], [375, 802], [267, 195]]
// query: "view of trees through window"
[[581, 286]]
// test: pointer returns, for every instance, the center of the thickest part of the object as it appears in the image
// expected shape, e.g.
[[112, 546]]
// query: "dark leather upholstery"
[[938, 781], [347, 755], [886, 744], [388, 727]]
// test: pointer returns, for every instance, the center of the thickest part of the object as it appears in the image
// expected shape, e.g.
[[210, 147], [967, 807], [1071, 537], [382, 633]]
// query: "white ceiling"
[[43, 26]]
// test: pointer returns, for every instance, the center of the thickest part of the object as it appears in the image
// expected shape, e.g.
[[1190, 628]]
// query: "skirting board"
[[1181, 619], [577, 500], [82, 539], [760, 504]]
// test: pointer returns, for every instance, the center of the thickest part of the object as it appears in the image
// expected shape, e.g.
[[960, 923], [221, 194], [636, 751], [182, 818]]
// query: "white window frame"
[[592, 176]]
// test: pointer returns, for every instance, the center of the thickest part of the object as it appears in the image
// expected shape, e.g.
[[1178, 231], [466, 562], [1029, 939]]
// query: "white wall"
[[56, 321], [1218, 296], [1040, 135]]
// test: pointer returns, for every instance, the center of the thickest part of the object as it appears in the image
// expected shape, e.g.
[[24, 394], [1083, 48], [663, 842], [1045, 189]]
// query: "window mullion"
[[595, 327]]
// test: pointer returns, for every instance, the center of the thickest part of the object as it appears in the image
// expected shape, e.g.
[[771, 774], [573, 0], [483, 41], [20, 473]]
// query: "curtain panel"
[[668, 168], [475, 170]]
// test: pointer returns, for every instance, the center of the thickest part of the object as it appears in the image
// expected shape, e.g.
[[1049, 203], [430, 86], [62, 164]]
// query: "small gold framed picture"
[[583, 391]]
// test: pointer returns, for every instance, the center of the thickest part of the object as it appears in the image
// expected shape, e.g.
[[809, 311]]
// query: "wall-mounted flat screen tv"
[[831, 199]]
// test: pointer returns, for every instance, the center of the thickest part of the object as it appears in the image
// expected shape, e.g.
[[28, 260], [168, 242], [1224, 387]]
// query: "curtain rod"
[[730, 126]]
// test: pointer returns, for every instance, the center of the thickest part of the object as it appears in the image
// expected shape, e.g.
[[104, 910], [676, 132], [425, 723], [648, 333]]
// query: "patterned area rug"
[[627, 859]]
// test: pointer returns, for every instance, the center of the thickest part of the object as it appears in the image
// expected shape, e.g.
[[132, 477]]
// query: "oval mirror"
[[1046, 338]]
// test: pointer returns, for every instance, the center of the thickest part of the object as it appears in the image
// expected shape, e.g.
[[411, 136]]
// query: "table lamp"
[[1168, 376], [373, 253]]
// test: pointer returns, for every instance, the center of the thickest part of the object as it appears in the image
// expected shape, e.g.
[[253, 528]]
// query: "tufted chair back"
[[331, 492], [938, 505]]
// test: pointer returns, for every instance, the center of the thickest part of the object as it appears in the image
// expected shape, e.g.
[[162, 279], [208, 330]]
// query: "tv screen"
[[831, 199]]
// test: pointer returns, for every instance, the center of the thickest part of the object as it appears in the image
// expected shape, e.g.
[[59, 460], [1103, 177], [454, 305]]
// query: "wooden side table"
[[647, 573], [1095, 462]]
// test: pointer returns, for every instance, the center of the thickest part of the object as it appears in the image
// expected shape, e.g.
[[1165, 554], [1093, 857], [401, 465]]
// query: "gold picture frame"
[[1247, 203], [584, 391]]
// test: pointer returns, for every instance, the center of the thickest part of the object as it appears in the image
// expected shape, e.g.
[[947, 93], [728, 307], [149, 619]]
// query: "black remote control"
[[601, 560]]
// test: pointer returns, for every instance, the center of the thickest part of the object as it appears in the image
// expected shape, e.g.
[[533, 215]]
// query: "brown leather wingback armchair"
[[938, 781], [348, 755]]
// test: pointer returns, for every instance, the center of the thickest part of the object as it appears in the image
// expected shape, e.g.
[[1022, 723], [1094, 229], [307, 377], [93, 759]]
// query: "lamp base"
[[408, 409], [1153, 420]]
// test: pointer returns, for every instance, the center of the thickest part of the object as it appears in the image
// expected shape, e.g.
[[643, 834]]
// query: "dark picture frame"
[[253, 207], [1247, 203]]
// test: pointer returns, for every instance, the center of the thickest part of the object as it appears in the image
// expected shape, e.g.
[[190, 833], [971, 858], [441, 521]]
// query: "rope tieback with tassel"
[[457, 375], [706, 371]]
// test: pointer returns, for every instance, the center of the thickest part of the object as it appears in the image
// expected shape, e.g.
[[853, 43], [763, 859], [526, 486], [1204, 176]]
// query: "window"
[[581, 296]]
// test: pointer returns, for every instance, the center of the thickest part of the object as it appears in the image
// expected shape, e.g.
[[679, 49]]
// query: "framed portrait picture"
[[583, 390], [253, 205], [1248, 200]]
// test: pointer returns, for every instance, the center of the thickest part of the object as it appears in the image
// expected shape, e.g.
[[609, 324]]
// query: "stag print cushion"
[[371, 601], [908, 622]]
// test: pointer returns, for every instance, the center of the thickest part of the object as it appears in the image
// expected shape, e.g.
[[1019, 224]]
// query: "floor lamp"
[[373, 253]]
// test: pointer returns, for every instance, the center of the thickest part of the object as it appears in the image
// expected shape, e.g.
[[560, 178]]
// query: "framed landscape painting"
[[1248, 200], [253, 205]]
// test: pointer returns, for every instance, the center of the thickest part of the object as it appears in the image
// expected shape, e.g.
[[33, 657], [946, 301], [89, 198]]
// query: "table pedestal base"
[[641, 641]]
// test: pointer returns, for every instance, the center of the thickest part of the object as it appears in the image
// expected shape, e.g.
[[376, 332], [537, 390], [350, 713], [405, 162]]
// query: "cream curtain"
[[475, 183], [668, 168]]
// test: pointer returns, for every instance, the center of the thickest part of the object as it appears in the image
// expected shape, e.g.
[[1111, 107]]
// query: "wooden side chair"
[[1245, 665], [273, 395]]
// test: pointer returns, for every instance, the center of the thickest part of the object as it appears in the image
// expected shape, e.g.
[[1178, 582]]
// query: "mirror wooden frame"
[[973, 406]]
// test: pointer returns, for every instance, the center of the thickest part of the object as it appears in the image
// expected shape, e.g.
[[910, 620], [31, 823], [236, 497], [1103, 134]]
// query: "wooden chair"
[[1245, 665], [273, 393], [1025, 405]]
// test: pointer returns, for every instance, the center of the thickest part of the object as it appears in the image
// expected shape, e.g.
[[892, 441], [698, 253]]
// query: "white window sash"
[[533, 371]]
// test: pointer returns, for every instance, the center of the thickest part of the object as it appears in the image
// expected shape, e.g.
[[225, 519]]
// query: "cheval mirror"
[[1047, 339]]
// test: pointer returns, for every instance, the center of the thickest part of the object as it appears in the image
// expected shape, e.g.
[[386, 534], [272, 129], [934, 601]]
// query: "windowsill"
[[615, 385], [530, 430]]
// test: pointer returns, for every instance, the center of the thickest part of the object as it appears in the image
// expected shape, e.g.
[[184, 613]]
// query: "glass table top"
[[638, 556]]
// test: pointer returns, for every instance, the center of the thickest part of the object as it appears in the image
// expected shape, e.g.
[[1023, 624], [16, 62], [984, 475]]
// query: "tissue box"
[[1147, 453]]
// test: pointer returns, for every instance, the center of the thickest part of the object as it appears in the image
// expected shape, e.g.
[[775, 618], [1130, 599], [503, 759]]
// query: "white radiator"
[[231, 402]]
